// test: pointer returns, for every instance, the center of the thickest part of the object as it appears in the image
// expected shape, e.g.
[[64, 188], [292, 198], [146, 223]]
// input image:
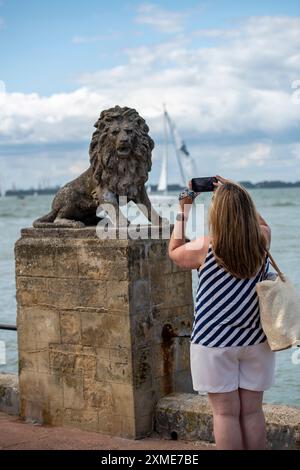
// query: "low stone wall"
[[188, 416], [9, 394]]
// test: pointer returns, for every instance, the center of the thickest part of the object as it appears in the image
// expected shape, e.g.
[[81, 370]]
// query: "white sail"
[[163, 179], [187, 164]]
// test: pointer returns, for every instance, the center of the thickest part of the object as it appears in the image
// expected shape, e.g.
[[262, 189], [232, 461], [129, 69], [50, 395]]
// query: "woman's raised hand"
[[187, 196], [221, 181]]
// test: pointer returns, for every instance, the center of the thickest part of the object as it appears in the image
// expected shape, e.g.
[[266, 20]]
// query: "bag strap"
[[263, 268], [274, 264]]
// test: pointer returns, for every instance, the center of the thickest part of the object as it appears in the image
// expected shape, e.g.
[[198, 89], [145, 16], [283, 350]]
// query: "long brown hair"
[[237, 240]]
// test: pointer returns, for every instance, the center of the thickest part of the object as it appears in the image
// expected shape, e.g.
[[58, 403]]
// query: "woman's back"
[[226, 308]]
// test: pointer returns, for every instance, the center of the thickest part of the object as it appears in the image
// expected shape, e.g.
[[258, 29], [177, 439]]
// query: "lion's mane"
[[121, 176]]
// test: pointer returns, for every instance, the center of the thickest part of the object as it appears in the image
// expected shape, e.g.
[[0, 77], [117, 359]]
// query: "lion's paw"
[[69, 223]]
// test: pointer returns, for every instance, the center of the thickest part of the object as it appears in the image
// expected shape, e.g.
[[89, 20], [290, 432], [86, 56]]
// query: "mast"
[[163, 179]]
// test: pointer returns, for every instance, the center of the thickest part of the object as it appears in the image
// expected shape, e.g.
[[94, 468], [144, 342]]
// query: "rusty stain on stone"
[[167, 348]]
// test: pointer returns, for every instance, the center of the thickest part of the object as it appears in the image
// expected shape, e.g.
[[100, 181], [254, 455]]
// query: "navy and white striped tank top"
[[226, 308]]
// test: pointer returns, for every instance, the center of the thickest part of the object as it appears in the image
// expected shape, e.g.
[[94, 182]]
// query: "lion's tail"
[[45, 221]]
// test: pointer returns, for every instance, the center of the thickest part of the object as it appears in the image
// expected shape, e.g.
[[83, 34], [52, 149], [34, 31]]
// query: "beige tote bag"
[[279, 304]]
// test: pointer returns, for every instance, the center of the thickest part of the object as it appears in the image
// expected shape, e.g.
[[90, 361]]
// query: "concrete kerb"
[[9, 394], [188, 416]]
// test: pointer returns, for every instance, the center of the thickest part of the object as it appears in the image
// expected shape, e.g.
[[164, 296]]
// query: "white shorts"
[[217, 370]]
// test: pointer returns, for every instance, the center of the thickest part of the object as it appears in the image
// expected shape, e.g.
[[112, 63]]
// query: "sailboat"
[[186, 163]]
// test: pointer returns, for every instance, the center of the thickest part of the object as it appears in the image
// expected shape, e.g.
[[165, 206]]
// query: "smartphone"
[[205, 184]]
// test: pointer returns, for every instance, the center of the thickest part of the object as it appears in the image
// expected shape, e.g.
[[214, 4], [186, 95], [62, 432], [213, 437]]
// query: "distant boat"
[[186, 163]]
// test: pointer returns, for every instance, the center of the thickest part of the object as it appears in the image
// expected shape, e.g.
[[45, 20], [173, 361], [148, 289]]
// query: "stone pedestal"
[[103, 329]]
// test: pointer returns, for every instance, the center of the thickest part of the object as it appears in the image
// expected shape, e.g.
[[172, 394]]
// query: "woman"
[[230, 357]]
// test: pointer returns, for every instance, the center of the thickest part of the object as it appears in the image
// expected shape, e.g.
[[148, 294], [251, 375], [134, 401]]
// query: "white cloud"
[[78, 167], [98, 38], [224, 89], [255, 156], [216, 33], [2, 87], [237, 90], [296, 89], [260, 154], [46, 167], [239, 86], [61, 117], [255, 161], [295, 150], [161, 19], [58, 166]]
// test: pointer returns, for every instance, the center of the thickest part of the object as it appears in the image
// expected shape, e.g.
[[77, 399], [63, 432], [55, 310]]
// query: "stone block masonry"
[[103, 329]]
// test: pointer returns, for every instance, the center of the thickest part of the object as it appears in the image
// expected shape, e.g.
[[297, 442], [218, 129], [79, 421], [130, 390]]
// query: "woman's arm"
[[186, 255], [266, 230]]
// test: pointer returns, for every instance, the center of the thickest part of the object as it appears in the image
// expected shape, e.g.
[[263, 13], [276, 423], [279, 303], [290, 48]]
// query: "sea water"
[[279, 207]]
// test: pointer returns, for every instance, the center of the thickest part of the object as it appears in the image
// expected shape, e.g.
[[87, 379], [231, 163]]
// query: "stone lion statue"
[[120, 160]]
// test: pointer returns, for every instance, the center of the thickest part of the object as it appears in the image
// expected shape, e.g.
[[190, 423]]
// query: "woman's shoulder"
[[204, 242]]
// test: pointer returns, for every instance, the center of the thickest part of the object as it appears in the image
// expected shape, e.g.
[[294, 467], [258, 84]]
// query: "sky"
[[228, 72]]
